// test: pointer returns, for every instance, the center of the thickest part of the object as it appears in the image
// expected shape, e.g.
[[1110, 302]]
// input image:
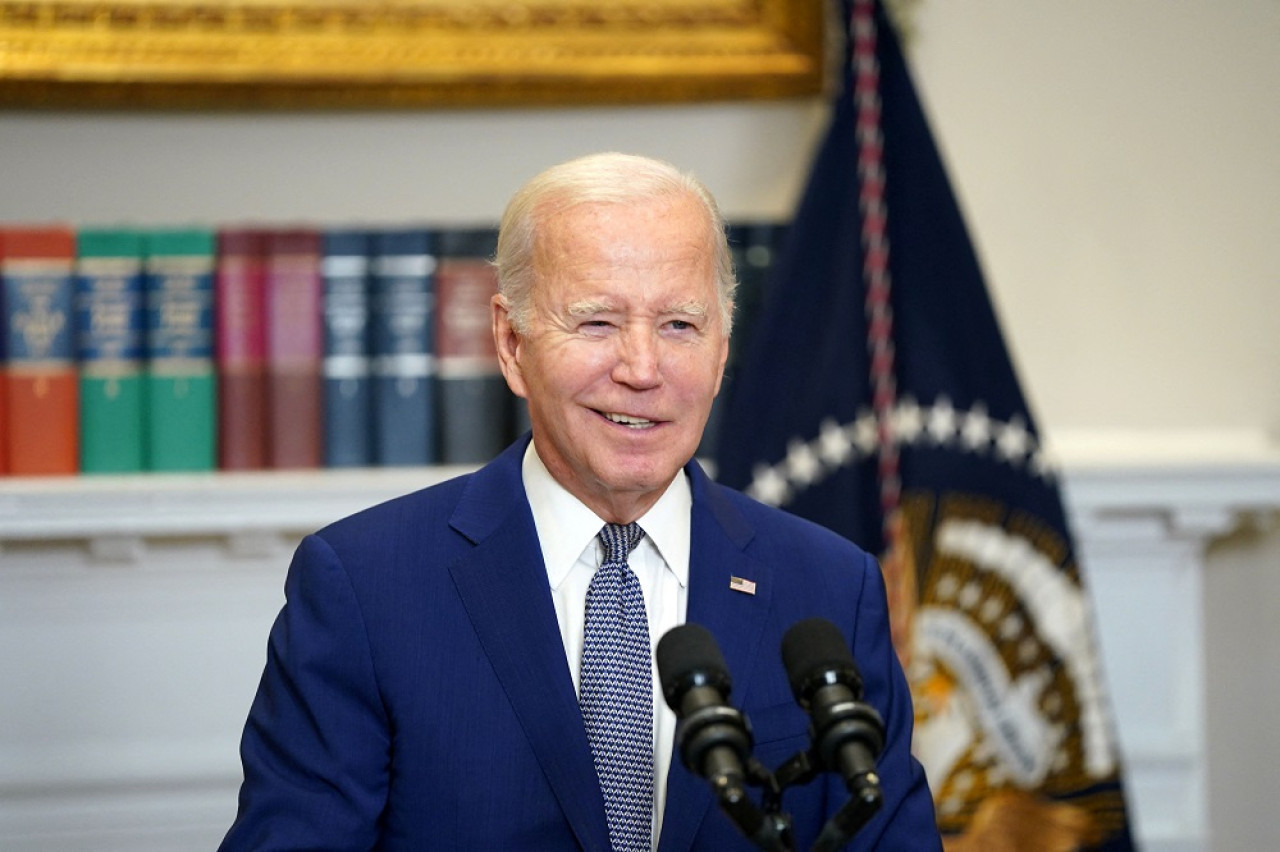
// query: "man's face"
[[625, 349]]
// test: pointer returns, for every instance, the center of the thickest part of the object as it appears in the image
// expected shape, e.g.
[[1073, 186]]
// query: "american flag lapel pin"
[[740, 584]]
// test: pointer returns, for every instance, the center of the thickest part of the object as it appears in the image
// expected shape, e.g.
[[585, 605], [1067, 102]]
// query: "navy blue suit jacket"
[[416, 694]]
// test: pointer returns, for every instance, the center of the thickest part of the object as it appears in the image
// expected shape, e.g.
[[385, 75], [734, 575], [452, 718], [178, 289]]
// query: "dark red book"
[[294, 325], [240, 349], [41, 406]]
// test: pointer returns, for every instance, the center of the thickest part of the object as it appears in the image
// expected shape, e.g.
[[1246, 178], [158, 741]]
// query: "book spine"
[[4, 370], [348, 412], [475, 403], [42, 402], [109, 325], [240, 345], [753, 246], [294, 349], [181, 391], [403, 272]]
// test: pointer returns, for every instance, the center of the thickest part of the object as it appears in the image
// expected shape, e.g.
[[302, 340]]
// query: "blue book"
[[348, 407], [753, 246], [401, 286]]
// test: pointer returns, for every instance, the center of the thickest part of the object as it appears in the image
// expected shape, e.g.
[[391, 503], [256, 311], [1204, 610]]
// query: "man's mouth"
[[629, 421]]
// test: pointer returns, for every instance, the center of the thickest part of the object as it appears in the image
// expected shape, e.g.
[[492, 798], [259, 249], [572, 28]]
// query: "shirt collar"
[[566, 526]]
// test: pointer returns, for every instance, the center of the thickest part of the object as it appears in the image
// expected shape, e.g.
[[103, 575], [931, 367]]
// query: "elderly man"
[[469, 666]]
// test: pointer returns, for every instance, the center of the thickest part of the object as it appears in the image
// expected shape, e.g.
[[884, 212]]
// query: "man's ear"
[[724, 357], [508, 343]]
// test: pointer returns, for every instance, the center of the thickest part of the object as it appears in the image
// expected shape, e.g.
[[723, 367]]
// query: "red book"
[[294, 323], [240, 350], [41, 407], [4, 421]]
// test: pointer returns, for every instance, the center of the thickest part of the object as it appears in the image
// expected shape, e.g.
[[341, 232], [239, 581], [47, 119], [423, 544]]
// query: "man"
[[433, 681]]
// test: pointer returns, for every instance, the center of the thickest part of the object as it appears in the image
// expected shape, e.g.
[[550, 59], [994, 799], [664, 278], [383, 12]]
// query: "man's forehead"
[[574, 217]]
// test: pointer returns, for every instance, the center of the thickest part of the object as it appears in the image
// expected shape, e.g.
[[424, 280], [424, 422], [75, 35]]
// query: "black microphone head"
[[688, 656], [814, 654]]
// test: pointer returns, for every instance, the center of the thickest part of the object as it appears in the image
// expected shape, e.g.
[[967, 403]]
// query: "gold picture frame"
[[342, 54]]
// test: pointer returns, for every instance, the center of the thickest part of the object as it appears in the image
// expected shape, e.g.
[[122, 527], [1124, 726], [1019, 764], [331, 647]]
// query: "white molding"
[[1193, 484], [165, 505], [1145, 507]]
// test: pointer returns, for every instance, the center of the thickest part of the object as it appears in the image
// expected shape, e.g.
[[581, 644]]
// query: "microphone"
[[714, 738], [847, 734]]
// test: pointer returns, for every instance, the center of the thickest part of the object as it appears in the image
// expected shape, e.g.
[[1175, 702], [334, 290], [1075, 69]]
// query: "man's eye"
[[681, 325]]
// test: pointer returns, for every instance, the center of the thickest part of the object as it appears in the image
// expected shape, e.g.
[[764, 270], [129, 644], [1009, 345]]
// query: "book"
[[348, 407], [181, 392], [294, 348], [109, 331], [41, 385], [4, 378], [753, 247], [475, 402], [240, 349], [402, 273]]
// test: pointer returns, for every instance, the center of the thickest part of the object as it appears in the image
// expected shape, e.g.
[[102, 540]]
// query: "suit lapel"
[[503, 586], [735, 618]]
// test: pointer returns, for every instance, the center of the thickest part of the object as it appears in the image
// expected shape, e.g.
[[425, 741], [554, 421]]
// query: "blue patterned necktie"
[[616, 691]]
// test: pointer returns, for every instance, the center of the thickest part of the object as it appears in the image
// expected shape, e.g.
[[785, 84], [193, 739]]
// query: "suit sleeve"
[[316, 744], [906, 819]]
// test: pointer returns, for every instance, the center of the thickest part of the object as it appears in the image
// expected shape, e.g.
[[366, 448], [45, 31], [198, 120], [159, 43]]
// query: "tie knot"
[[619, 540]]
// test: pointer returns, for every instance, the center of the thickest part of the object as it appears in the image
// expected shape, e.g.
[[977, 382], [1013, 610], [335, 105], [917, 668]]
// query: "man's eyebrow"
[[588, 307], [691, 308], [591, 307]]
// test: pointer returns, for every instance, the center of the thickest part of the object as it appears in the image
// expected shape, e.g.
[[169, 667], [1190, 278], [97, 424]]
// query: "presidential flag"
[[876, 396]]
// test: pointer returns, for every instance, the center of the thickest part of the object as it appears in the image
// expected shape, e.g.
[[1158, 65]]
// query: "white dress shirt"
[[571, 551]]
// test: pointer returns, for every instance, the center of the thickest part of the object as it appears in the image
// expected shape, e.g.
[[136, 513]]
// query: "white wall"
[[1118, 165], [379, 167], [1116, 161]]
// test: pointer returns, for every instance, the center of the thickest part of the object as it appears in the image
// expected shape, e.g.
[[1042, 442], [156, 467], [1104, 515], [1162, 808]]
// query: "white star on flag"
[[942, 421], [833, 443], [802, 463]]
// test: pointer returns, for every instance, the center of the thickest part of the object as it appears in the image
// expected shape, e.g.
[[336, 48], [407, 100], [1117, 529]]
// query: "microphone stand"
[[770, 828]]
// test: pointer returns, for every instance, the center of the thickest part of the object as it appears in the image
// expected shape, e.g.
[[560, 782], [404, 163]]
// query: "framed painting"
[[386, 54]]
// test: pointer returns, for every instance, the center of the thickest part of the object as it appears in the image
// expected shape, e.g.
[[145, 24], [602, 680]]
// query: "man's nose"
[[637, 358]]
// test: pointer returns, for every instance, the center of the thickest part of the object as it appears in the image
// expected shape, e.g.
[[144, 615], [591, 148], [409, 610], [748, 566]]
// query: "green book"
[[181, 386], [109, 324]]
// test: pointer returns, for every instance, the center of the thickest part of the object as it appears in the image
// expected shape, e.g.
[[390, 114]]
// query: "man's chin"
[[624, 478]]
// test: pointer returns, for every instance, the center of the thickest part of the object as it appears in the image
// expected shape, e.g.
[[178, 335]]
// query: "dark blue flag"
[[876, 397]]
